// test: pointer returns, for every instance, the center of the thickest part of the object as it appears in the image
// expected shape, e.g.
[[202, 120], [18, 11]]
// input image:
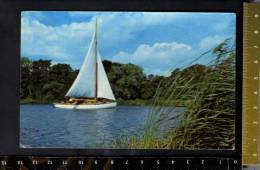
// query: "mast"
[[87, 83], [96, 62]]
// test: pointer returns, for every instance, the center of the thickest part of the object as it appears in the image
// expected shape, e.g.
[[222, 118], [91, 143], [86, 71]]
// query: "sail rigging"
[[96, 63], [92, 81]]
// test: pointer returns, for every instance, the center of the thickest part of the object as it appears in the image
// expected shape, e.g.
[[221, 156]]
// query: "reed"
[[209, 119]]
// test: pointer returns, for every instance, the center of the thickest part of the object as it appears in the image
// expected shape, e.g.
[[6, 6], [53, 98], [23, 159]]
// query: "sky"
[[157, 41]]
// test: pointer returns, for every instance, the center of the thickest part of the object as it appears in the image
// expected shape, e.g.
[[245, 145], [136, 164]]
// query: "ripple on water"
[[46, 126]]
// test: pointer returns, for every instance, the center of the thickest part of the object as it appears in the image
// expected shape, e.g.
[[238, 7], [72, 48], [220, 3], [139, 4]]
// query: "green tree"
[[126, 80], [26, 84], [147, 90], [63, 74], [40, 76], [53, 91], [107, 65]]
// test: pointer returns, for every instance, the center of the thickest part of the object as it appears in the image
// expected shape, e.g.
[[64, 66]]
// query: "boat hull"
[[85, 106]]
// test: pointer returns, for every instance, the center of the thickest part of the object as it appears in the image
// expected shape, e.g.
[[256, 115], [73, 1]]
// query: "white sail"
[[84, 84], [104, 88]]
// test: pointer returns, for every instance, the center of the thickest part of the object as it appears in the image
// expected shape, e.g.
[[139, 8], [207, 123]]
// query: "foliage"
[[209, 122], [52, 90], [39, 76], [41, 82], [125, 80], [44, 82], [26, 85]]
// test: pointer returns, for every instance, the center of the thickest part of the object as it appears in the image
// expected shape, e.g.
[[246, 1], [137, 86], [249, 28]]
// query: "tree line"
[[42, 82]]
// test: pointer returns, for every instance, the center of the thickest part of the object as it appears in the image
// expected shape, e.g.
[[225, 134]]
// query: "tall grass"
[[209, 119]]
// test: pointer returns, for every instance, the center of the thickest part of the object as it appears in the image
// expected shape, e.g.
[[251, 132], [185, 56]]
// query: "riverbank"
[[35, 101], [140, 102], [136, 102], [209, 122]]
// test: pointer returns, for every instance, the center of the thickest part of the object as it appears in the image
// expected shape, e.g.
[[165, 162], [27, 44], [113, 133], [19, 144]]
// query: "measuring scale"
[[251, 84]]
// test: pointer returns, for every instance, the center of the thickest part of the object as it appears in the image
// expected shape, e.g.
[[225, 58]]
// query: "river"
[[46, 126]]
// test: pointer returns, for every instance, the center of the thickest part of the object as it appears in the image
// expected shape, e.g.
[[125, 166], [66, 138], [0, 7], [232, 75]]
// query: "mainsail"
[[85, 85]]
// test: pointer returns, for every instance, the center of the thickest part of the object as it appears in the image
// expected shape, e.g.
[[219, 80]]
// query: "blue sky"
[[157, 41]]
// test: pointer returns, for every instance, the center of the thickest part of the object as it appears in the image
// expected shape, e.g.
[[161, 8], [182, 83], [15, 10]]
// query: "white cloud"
[[159, 58], [60, 42], [55, 42], [210, 42], [68, 43], [119, 27]]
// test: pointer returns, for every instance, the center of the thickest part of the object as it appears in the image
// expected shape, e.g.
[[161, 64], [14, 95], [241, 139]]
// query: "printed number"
[[220, 162], [64, 162], [126, 162], [49, 162], [202, 161], [158, 162], [3, 163], [80, 162], [35, 162], [142, 162], [235, 161], [188, 162], [96, 162], [173, 162], [112, 162], [20, 162]]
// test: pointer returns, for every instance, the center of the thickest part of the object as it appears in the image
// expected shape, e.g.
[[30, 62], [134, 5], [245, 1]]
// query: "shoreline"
[[137, 102]]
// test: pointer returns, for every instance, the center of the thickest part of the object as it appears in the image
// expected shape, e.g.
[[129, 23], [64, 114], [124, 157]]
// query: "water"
[[46, 126]]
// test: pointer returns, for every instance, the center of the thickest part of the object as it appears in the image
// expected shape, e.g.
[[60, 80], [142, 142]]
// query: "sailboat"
[[91, 88]]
